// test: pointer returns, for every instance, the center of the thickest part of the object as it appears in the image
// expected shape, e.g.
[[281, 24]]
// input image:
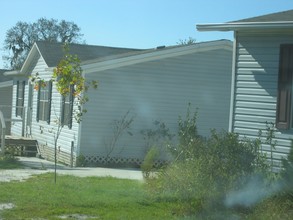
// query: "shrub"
[[223, 162], [204, 170], [189, 139], [81, 161], [148, 164]]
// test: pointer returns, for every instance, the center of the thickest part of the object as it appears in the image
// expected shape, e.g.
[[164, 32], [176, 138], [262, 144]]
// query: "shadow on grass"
[[9, 162]]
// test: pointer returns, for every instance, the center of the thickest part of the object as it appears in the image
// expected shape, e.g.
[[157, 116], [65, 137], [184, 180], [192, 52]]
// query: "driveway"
[[35, 166]]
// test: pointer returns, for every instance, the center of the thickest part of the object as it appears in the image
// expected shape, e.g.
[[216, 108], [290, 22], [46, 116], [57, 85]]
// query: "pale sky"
[[137, 23]]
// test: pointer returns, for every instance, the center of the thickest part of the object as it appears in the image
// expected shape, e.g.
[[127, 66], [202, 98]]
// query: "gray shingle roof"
[[279, 16], [53, 52]]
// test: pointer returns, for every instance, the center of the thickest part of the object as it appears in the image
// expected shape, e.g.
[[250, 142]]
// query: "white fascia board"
[[244, 26], [12, 73], [29, 57], [156, 55]]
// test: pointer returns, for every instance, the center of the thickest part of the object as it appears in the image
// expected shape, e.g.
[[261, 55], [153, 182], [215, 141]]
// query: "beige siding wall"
[[156, 90], [256, 86]]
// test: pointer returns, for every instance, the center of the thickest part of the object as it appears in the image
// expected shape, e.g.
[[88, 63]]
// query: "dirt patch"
[[6, 206], [77, 216], [18, 175]]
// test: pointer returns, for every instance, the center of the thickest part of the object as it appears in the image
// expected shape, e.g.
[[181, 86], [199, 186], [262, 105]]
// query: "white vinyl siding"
[[157, 90], [256, 84], [42, 131]]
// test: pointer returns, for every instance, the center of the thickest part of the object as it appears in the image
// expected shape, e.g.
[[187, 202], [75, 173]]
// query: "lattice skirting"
[[119, 161]]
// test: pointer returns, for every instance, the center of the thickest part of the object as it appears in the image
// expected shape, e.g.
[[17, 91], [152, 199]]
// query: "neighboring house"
[[142, 86], [262, 77], [6, 83]]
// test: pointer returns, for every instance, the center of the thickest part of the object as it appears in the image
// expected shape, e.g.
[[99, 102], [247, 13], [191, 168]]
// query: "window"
[[44, 101], [19, 98], [67, 108], [284, 99]]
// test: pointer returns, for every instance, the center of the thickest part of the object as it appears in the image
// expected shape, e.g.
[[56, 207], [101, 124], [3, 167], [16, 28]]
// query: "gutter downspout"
[[233, 83]]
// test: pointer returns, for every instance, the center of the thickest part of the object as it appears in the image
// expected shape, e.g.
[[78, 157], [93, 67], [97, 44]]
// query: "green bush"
[[205, 169], [148, 164], [81, 161], [224, 161]]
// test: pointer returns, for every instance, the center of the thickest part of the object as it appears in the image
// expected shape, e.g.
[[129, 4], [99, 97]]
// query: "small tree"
[[67, 74], [120, 127]]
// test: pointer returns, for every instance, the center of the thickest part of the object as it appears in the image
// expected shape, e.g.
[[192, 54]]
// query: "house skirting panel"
[[62, 157], [70, 159]]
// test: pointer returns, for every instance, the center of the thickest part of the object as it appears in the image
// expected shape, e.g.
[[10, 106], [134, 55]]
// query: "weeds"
[[148, 165]]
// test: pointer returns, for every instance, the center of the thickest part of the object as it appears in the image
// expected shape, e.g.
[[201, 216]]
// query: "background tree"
[[20, 38], [188, 41]]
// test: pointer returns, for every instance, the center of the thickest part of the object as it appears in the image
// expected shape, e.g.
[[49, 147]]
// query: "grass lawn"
[[100, 198], [110, 198]]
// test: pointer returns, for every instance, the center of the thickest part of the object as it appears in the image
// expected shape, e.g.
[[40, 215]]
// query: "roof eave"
[[235, 26], [13, 73]]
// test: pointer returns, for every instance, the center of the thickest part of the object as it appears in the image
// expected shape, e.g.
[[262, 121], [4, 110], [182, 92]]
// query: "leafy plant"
[[148, 163], [270, 136], [68, 73], [190, 141], [81, 161]]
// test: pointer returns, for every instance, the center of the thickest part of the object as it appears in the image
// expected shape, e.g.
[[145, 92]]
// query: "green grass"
[[102, 198], [110, 198], [9, 162]]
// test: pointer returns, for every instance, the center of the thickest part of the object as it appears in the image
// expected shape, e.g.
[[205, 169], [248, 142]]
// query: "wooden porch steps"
[[21, 146]]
